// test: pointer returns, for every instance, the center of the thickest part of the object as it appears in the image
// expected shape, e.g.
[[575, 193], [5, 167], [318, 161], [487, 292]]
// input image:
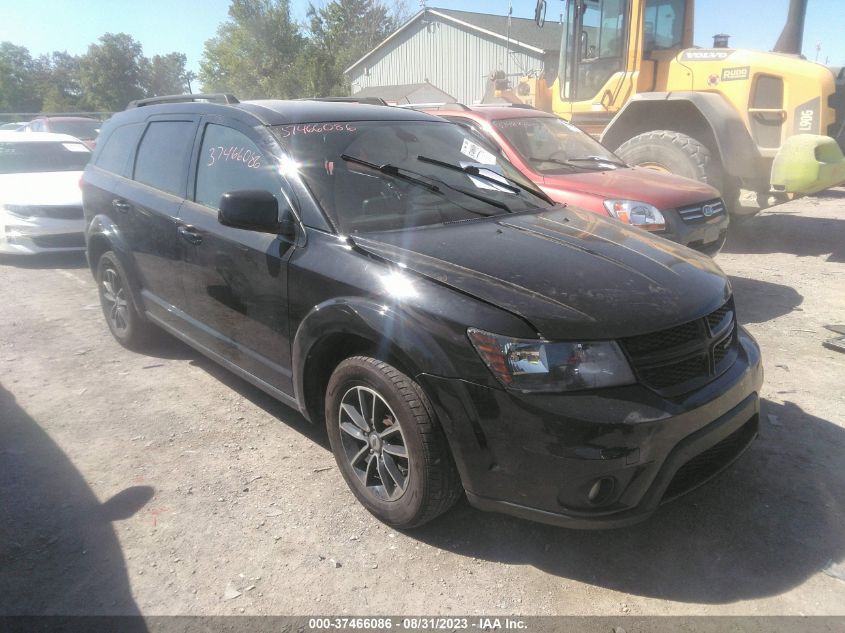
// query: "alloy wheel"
[[114, 296], [373, 443]]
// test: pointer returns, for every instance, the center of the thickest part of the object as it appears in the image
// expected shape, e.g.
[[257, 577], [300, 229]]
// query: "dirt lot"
[[162, 484]]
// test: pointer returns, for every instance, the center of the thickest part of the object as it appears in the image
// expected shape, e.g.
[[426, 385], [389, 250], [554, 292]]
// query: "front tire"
[[387, 443], [682, 155], [672, 152], [125, 323]]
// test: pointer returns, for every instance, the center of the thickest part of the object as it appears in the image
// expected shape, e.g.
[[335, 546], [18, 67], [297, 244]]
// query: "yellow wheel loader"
[[769, 123]]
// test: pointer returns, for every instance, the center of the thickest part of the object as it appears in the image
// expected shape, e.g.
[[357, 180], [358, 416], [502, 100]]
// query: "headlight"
[[532, 365], [640, 214]]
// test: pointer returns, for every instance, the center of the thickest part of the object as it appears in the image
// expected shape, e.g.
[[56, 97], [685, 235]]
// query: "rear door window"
[[163, 156]]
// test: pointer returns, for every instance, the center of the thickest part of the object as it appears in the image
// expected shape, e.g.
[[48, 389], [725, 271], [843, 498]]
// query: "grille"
[[65, 240], [722, 349], [678, 373], [715, 318], [708, 463], [672, 337], [701, 211], [681, 358]]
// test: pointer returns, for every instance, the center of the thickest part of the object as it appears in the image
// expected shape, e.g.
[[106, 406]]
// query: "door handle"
[[190, 234], [120, 205]]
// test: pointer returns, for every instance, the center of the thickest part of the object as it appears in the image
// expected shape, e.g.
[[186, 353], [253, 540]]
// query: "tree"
[[17, 80], [341, 33], [58, 82], [165, 74], [111, 72], [257, 53]]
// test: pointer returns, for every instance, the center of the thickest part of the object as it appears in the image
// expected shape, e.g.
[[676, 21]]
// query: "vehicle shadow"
[[169, 347], [769, 522], [59, 553], [71, 260], [287, 415], [759, 301], [832, 193], [784, 232]]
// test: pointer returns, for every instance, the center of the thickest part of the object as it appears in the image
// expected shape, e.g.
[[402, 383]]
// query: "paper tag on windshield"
[[75, 147], [491, 176], [477, 153]]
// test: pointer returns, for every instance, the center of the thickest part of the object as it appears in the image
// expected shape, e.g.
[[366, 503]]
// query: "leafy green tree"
[[111, 72], [257, 53], [341, 32], [58, 82], [17, 79], [165, 74]]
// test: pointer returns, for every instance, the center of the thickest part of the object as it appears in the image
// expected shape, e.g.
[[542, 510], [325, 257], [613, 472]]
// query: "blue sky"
[[163, 26]]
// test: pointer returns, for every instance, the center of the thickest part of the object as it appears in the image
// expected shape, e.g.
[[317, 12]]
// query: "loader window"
[[594, 45], [664, 24]]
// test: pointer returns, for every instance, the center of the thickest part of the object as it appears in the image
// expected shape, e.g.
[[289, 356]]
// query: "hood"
[[570, 273], [664, 191], [45, 188]]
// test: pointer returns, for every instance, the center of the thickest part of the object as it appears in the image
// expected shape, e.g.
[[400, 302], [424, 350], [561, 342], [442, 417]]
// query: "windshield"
[[80, 128], [553, 146], [387, 175], [24, 158]]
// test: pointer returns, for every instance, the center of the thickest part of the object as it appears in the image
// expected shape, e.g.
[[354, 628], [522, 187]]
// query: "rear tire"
[[119, 307], [394, 457]]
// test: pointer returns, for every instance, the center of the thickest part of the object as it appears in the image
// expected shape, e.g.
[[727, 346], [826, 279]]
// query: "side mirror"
[[540, 13], [255, 210]]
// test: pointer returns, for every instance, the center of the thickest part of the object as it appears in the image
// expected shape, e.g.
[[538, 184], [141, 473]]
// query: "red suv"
[[573, 168], [84, 128]]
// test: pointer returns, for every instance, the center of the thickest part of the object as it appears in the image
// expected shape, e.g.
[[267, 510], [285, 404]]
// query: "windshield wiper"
[[391, 170], [396, 171], [557, 161], [597, 159], [472, 170]]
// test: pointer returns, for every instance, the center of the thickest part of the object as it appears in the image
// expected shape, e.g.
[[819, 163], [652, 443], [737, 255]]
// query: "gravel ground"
[[162, 484]]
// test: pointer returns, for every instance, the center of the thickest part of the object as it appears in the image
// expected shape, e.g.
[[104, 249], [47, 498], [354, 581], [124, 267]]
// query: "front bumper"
[[539, 456], [706, 235], [30, 236]]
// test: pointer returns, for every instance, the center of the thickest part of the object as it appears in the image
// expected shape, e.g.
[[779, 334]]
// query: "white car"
[[40, 199]]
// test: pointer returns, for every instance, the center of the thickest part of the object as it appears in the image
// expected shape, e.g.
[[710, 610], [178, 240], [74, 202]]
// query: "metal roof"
[[402, 92], [522, 29], [523, 33]]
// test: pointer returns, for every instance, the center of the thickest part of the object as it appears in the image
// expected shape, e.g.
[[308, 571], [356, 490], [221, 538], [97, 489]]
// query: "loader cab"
[[613, 48]]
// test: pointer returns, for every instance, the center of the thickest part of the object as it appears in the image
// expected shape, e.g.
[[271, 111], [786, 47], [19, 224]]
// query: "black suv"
[[391, 275]]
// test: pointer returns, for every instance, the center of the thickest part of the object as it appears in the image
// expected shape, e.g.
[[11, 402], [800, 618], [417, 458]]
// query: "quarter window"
[[114, 156], [230, 161], [162, 160]]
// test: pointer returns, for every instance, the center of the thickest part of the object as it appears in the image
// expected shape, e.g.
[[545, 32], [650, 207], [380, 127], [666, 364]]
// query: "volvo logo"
[[709, 209]]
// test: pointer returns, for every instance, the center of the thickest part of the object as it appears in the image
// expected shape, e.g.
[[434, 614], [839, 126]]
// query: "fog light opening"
[[601, 490]]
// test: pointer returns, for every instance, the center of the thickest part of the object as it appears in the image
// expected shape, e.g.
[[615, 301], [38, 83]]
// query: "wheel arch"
[[103, 235], [707, 117], [341, 328]]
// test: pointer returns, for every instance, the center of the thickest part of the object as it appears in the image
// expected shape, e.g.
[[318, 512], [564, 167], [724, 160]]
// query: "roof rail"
[[217, 97], [364, 100], [434, 106]]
